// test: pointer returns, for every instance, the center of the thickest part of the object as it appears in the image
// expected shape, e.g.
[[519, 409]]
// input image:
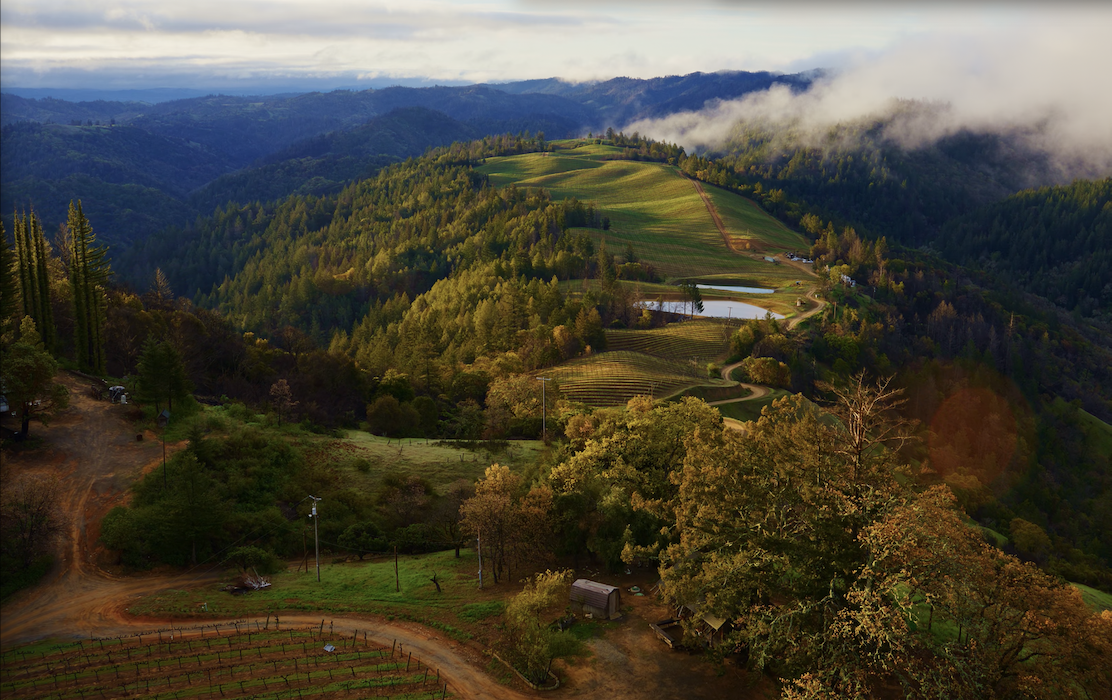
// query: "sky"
[[1039, 69], [204, 44]]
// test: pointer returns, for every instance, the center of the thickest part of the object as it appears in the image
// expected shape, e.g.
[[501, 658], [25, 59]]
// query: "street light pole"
[[544, 409], [316, 536]]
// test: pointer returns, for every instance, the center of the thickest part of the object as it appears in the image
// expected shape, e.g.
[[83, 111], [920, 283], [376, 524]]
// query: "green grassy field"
[[439, 463], [653, 207], [750, 410], [746, 221], [347, 587], [1097, 600]]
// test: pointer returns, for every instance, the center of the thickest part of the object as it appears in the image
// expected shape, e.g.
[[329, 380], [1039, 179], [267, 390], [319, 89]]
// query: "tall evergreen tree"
[[88, 274], [162, 375], [45, 318], [9, 289], [32, 252]]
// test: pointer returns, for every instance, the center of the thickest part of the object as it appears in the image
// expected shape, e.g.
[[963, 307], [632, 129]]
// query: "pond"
[[729, 288], [720, 309]]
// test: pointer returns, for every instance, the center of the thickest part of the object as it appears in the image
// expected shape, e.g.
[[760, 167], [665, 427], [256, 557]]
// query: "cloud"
[[1040, 80]]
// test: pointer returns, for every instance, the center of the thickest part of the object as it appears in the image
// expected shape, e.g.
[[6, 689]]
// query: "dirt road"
[[714, 215], [819, 305], [92, 449]]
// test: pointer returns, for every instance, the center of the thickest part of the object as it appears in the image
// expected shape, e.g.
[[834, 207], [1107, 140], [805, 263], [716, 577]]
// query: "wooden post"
[[397, 581]]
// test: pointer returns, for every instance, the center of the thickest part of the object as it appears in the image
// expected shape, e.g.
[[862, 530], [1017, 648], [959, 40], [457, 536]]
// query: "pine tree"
[[162, 375], [45, 318], [9, 289], [32, 252], [88, 274]]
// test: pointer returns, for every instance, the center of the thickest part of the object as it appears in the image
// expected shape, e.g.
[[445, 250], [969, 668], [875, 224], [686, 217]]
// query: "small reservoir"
[[730, 288], [734, 309], [715, 309]]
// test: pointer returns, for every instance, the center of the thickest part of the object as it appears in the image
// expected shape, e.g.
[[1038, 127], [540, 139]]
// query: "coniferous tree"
[[88, 274], [9, 289], [22, 255], [45, 318], [162, 376], [32, 251]]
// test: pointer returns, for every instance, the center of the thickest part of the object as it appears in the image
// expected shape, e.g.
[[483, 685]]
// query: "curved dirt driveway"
[[91, 448], [819, 305]]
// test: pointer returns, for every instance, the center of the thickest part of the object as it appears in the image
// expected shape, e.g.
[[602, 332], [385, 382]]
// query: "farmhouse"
[[598, 599]]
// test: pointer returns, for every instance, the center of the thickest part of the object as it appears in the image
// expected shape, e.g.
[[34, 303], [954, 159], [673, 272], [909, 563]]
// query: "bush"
[[254, 559], [386, 416], [363, 539], [416, 539]]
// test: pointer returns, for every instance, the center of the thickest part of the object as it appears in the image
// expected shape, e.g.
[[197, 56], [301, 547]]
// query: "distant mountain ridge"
[[185, 157], [621, 100]]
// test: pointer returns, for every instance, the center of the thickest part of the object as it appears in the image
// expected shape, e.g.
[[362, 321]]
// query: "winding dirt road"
[[92, 449], [819, 305]]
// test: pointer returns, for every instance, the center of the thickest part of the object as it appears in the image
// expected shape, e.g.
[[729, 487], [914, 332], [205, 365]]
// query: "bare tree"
[[30, 516], [282, 397], [869, 416]]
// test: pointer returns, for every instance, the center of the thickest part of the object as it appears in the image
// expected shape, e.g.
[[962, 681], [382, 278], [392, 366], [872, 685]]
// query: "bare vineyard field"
[[702, 340], [613, 378], [231, 660]]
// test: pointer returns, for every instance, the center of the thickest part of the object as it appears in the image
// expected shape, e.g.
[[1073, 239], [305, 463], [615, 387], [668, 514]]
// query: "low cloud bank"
[[1044, 85]]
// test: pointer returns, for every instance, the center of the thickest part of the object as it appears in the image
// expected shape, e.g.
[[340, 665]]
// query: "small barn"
[[597, 598]]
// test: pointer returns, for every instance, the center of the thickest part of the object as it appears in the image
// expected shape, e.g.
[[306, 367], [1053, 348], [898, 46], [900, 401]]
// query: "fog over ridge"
[[1045, 86]]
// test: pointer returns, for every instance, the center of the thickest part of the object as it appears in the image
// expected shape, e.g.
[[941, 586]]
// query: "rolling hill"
[[655, 209]]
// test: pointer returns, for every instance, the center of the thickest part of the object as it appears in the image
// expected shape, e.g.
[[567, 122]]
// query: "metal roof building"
[[597, 598]]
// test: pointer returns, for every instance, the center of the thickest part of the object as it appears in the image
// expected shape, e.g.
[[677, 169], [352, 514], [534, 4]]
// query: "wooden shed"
[[597, 598]]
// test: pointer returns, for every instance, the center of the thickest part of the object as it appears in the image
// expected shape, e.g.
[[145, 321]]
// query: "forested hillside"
[[1054, 241], [325, 164], [134, 182], [619, 101], [857, 172], [141, 168]]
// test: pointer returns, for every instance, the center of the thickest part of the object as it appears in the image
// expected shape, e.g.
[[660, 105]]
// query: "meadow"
[[365, 459], [345, 587]]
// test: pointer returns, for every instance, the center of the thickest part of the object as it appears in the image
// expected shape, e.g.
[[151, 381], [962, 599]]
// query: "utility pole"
[[316, 534], [479, 546], [163, 421], [544, 409]]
